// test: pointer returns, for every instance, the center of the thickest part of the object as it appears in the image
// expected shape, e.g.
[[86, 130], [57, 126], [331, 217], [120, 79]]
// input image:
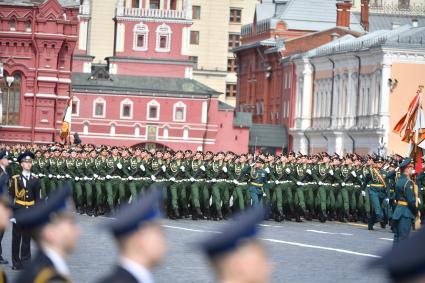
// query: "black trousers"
[[1, 239], [21, 247]]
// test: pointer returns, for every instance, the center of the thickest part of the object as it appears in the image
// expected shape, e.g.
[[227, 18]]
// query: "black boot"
[[322, 217], [219, 215], [279, 216]]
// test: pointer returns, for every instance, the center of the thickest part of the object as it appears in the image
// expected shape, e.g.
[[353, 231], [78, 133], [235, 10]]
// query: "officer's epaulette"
[[48, 274]]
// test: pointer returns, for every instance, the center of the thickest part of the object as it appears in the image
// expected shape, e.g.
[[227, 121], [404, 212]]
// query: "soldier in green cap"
[[196, 174], [99, 174], [241, 182], [220, 191], [88, 180], [113, 184], [177, 173]]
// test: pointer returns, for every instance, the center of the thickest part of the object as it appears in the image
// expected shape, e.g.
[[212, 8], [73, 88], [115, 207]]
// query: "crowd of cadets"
[[214, 185]]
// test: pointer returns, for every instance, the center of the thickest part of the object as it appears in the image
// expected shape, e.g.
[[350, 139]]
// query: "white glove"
[[85, 178], [308, 171], [267, 170], [77, 178], [58, 176], [320, 183], [182, 168], [142, 167], [331, 172], [13, 220], [128, 168], [387, 200], [354, 174], [163, 168], [202, 168], [397, 169], [413, 171], [153, 177], [224, 169], [343, 184], [130, 178], [214, 180], [67, 175], [287, 170], [192, 179], [363, 193], [95, 175], [119, 165], [361, 176], [299, 183], [108, 176], [419, 201], [172, 179], [236, 182]]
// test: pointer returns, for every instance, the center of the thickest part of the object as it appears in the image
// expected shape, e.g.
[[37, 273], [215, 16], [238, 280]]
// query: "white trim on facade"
[[140, 29], [163, 31]]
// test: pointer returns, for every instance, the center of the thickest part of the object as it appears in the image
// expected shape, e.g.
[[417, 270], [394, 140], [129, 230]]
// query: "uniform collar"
[[139, 272], [58, 262]]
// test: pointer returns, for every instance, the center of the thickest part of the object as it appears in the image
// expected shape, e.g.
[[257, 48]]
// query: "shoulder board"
[[45, 275]]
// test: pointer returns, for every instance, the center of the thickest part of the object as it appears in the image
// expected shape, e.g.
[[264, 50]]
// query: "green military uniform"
[[177, 174], [241, 190], [198, 191], [89, 183], [113, 184], [100, 183], [220, 191]]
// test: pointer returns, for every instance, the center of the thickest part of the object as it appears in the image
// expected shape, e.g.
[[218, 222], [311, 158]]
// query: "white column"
[[82, 38], [120, 37], [384, 104], [307, 95]]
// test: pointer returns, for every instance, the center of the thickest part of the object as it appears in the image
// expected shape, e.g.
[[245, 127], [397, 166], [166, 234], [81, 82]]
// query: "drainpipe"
[[238, 95], [37, 52], [332, 88], [353, 141]]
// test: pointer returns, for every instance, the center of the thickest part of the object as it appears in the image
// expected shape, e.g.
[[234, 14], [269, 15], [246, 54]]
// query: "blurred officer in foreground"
[[52, 226], [236, 254], [4, 180], [140, 240], [405, 263], [5, 213], [406, 210]]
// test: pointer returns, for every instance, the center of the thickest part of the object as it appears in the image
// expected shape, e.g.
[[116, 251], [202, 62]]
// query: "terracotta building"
[[37, 39], [266, 75]]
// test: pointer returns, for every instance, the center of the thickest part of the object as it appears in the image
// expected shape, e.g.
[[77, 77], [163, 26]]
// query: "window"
[[28, 26], [230, 90], [135, 3], [99, 106], [75, 106], [231, 65], [179, 112], [194, 60], [10, 87], [165, 133], [194, 37], [163, 38], [403, 4], [196, 12], [235, 15], [126, 109], [185, 133], [153, 110], [141, 32], [12, 25], [154, 4], [234, 40]]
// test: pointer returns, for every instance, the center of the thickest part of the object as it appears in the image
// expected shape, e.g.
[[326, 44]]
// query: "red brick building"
[[37, 39], [281, 29], [144, 95]]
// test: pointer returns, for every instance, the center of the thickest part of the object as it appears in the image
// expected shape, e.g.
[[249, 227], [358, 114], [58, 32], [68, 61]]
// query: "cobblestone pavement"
[[300, 252]]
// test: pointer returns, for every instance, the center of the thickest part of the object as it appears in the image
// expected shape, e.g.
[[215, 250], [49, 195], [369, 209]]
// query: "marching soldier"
[[241, 182], [53, 228], [220, 191], [24, 189], [257, 182], [178, 187], [196, 173], [406, 210]]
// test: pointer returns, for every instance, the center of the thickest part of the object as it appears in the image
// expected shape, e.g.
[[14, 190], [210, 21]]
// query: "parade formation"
[[215, 185]]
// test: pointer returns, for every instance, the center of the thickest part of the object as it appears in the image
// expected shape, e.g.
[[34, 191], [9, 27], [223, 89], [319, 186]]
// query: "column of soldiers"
[[207, 185]]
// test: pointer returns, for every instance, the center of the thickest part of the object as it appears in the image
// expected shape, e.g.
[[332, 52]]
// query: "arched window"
[[153, 110], [140, 40], [163, 38], [28, 26], [12, 24], [186, 133], [126, 109], [99, 108], [10, 91], [179, 112]]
